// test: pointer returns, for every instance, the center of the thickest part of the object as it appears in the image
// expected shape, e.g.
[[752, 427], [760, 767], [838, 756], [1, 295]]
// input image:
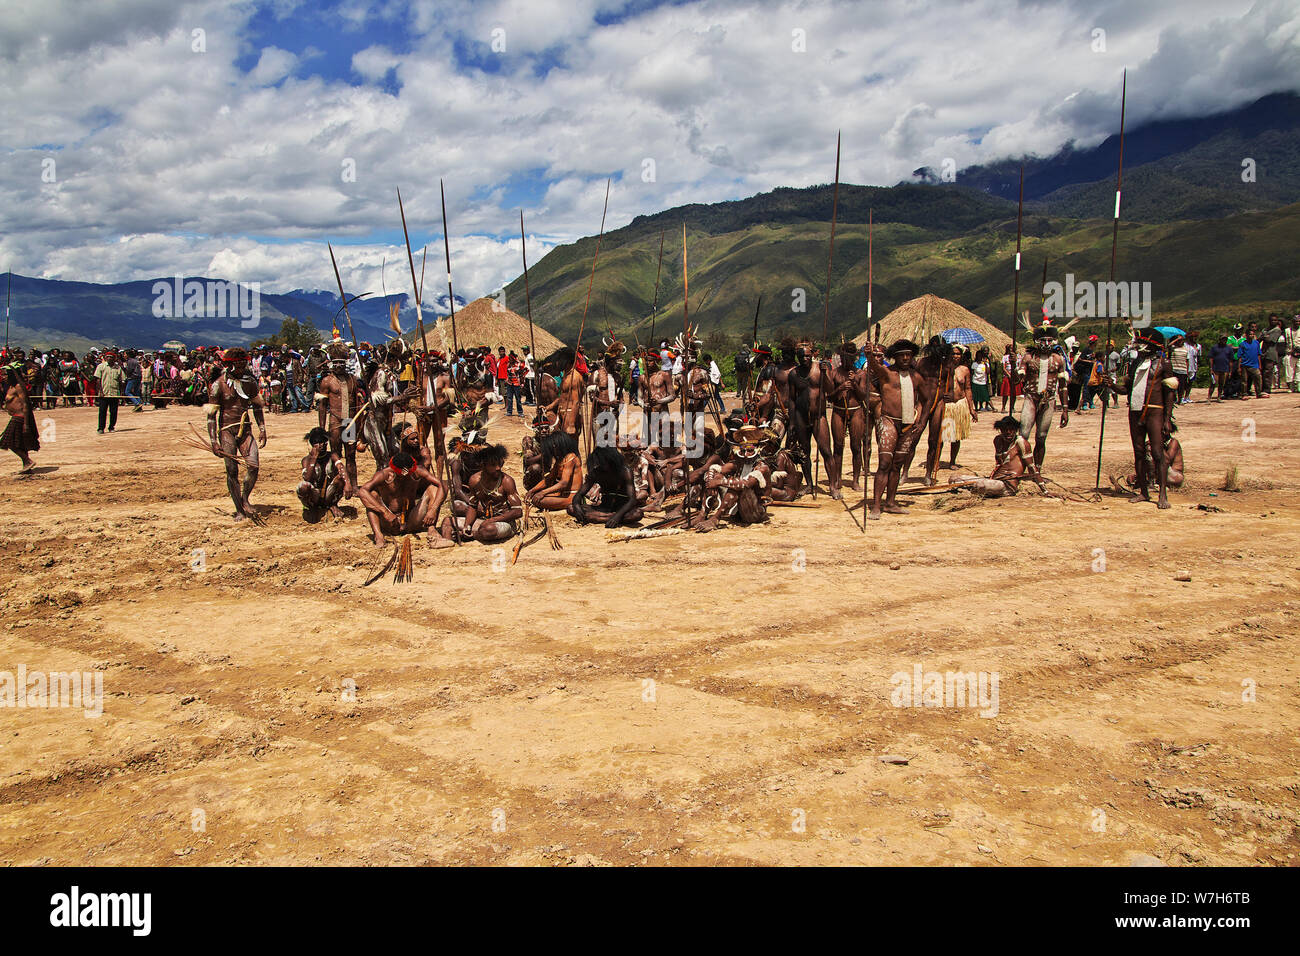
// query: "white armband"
[[210, 409]]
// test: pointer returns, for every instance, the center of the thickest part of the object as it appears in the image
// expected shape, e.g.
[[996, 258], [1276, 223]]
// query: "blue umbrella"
[[960, 336], [1168, 331]]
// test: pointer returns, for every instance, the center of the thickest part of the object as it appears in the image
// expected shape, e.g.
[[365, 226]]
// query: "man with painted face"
[[740, 484], [234, 403], [898, 424], [1152, 390], [1043, 372], [403, 497], [494, 503]]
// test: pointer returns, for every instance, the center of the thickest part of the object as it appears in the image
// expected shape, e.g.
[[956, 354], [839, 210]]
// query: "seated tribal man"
[[740, 484], [321, 487], [403, 497], [463, 462], [532, 461], [493, 505], [608, 494], [899, 423], [1173, 462], [655, 472], [785, 480], [406, 437], [234, 401], [1152, 390], [561, 473], [1013, 462]]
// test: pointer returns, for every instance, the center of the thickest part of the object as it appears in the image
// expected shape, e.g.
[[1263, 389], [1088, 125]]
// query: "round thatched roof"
[[918, 319], [486, 322]]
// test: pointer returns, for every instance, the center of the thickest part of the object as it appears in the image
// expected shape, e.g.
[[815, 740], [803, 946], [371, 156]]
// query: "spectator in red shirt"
[[514, 385]]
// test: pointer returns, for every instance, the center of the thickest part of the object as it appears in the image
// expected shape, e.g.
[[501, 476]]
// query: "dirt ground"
[[693, 699]]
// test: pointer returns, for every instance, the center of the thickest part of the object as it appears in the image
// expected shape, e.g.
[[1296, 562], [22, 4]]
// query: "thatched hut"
[[486, 322], [918, 319]]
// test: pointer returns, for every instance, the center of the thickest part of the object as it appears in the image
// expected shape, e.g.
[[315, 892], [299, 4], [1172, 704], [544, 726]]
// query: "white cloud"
[[204, 168]]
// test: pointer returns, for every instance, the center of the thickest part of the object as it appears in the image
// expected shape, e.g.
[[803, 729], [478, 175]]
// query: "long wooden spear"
[[866, 425], [451, 296], [415, 286], [871, 225], [686, 376], [587, 425], [1042, 299], [830, 254], [1114, 248], [1015, 300], [339, 279], [592, 281], [654, 308], [528, 297], [424, 259]]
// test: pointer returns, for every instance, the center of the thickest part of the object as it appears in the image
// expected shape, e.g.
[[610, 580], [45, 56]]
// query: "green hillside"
[[1191, 265]]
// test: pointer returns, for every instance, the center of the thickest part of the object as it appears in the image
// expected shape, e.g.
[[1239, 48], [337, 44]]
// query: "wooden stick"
[[1114, 248], [592, 281], [446, 245], [830, 254]]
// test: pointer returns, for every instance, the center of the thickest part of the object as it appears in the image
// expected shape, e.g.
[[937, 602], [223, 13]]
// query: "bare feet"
[[895, 509]]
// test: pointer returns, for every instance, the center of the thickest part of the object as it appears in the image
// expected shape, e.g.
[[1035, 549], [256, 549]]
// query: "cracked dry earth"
[[510, 718]]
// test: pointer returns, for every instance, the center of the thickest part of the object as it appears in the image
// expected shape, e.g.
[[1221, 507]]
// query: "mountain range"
[[1210, 217]]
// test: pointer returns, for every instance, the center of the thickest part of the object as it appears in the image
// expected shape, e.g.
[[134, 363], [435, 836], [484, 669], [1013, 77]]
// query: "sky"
[[145, 138]]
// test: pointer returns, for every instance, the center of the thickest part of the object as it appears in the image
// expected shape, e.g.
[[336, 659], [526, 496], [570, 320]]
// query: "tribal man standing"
[[341, 391], [848, 394], [1152, 390], [899, 422], [1043, 372], [234, 401], [20, 435]]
